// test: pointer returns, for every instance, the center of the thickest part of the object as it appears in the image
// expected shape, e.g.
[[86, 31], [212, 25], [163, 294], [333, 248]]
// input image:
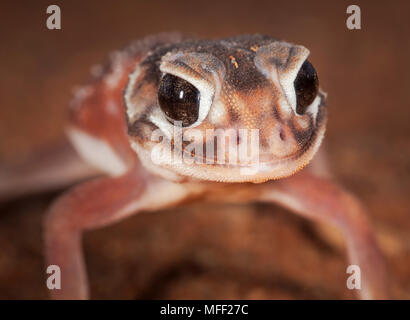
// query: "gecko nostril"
[[282, 134]]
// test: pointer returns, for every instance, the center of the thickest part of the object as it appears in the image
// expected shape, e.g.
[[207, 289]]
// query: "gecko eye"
[[178, 99], [306, 87]]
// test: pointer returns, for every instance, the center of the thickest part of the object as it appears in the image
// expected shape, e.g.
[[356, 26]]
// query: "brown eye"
[[178, 99], [306, 87]]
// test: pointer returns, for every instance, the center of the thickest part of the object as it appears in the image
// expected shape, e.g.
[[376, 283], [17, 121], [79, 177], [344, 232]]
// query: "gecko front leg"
[[95, 204], [321, 200]]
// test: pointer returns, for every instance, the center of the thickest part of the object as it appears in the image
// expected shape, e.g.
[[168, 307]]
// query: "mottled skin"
[[249, 80], [243, 97]]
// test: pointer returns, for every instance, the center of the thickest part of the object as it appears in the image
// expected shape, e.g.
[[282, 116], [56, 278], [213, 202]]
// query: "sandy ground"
[[210, 251]]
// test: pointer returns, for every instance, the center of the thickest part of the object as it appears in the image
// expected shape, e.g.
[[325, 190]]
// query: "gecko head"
[[243, 109]]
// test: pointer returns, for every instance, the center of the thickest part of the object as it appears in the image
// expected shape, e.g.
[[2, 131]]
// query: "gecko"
[[161, 120]]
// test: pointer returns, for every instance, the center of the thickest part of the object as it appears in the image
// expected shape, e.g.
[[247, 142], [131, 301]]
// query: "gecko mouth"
[[187, 161]]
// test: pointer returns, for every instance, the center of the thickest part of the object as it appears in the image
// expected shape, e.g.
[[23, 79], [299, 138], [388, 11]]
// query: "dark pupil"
[[306, 87], [178, 99]]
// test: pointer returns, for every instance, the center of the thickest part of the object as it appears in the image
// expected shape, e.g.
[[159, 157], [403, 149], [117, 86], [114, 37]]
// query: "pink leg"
[[319, 199], [93, 204]]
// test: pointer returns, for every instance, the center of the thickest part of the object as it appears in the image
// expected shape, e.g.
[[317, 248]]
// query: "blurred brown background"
[[202, 251]]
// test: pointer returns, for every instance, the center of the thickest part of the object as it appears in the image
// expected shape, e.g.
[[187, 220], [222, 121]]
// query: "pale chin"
[[257, 173]]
